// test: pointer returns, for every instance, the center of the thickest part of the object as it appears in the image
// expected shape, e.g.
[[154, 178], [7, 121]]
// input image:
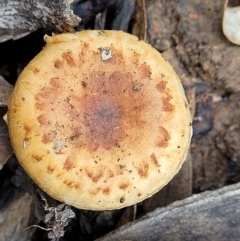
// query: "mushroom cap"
[[99, 120]]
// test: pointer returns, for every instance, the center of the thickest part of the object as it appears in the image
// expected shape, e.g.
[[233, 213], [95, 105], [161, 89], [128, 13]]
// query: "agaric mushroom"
[[99, 120]]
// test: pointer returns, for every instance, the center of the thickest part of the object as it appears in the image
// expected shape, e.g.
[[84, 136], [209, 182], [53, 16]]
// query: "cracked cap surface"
[[99, 120]]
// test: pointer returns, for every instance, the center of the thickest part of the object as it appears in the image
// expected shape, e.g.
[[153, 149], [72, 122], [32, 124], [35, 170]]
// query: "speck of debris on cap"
[[24, 145], [138, 86], [122, 199], [106, 54], [58, 145]]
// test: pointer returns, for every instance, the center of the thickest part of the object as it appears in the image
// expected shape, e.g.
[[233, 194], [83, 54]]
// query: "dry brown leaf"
[[5, 145], [16, 214]]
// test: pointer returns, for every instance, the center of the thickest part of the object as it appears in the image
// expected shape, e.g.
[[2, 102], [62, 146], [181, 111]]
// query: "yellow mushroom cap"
[[99, 120]]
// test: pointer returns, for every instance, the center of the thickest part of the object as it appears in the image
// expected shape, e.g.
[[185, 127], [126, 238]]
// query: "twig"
[[145, 19]]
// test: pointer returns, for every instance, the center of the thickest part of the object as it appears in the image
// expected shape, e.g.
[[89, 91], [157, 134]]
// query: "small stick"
[[145, 20]]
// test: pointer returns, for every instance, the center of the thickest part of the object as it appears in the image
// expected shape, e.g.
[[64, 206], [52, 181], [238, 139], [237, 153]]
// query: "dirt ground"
[[189, 35]]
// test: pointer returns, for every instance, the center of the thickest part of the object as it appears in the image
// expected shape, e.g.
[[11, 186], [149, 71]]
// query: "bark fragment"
[[19, 18], [212, 215]]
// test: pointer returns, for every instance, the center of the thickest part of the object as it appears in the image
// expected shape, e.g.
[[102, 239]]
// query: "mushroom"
[[99, 120]]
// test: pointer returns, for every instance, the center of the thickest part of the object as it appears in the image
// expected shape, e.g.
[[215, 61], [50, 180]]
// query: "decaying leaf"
[[231, 23], [5, 91], [15, 213], [5, 146]]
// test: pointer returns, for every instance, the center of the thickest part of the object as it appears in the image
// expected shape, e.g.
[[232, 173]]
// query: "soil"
[[189, 35]]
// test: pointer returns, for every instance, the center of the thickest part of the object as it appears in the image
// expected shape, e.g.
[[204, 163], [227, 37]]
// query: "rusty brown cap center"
[[103, 121]]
